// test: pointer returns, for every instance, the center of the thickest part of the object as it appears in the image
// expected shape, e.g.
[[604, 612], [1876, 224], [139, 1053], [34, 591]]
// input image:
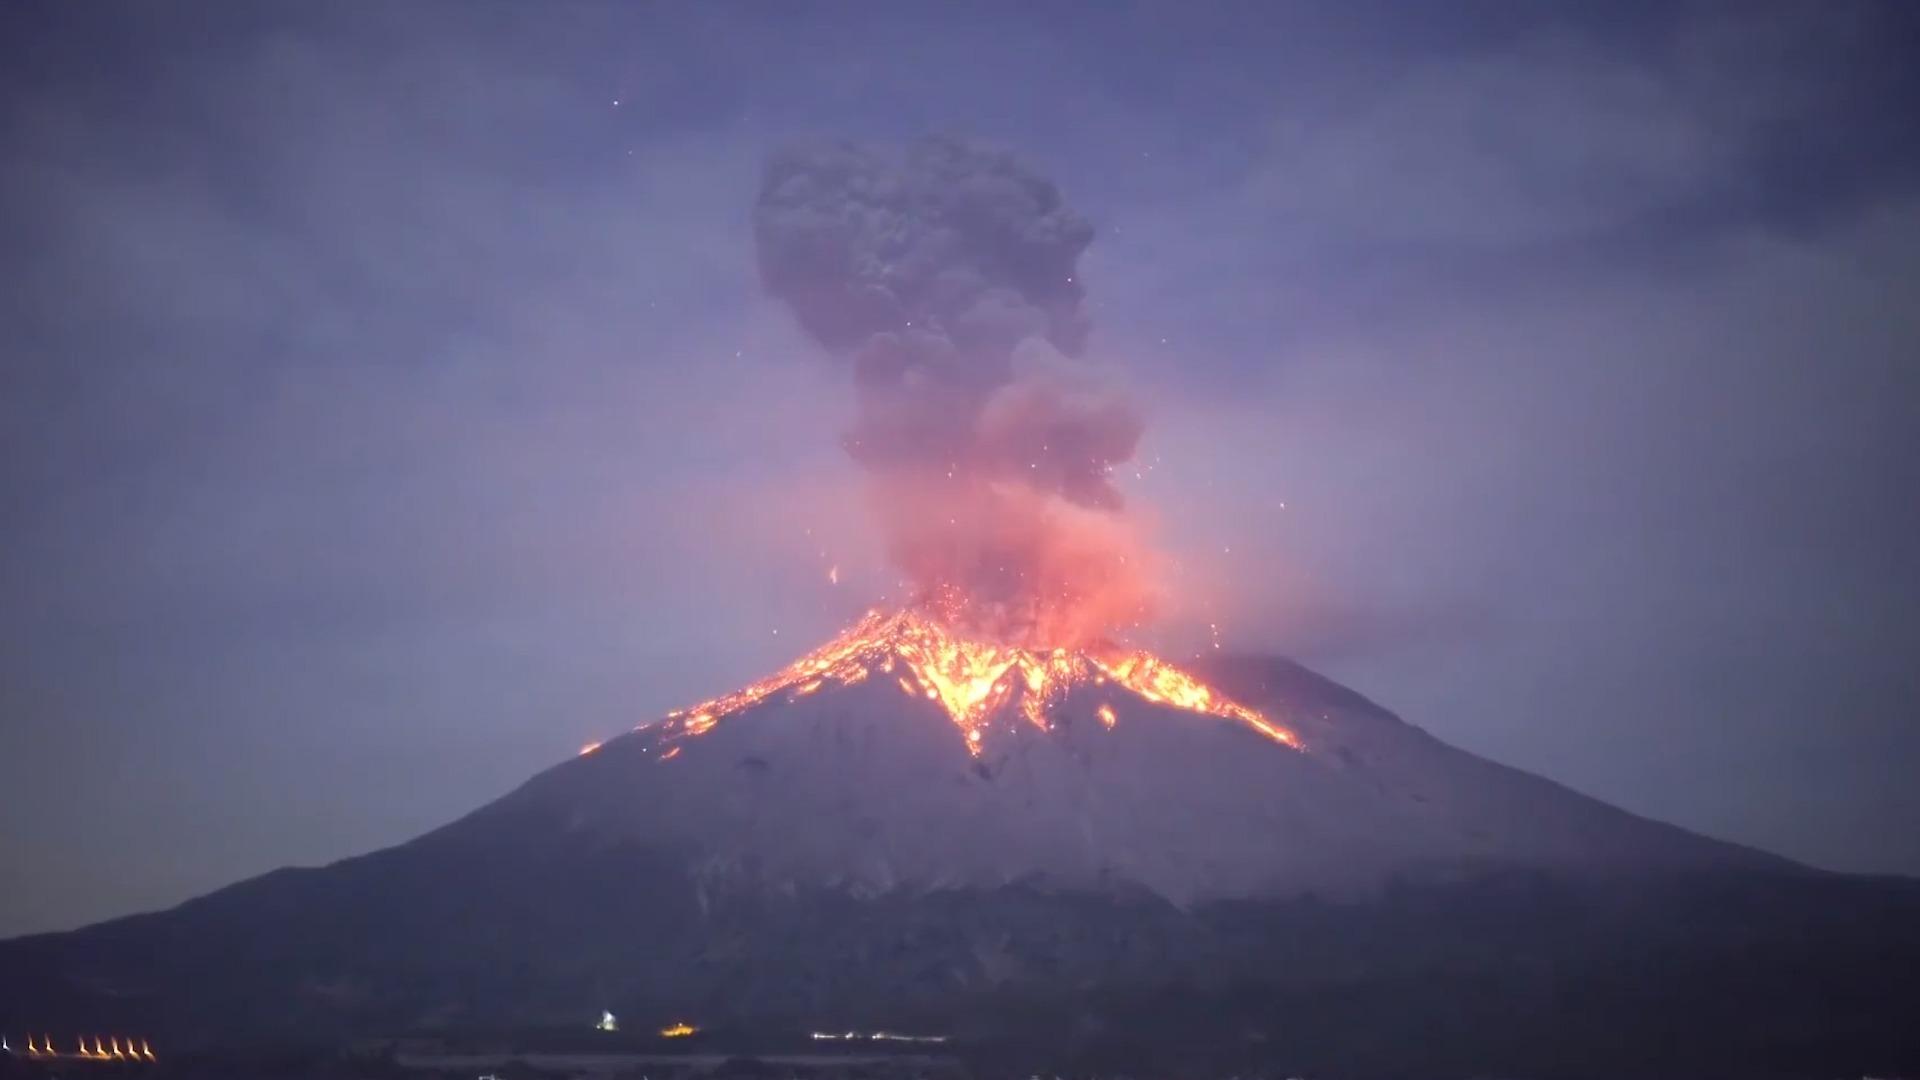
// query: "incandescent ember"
[[974, 681]]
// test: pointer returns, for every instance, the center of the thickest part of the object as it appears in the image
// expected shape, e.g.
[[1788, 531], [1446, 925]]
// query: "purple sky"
[[388, 405]]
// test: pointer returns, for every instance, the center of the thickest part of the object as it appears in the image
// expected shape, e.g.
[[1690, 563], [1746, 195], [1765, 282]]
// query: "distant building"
[[607, 1022]]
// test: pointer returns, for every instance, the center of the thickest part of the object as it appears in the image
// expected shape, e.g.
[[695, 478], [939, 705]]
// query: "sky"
[[389, 404]]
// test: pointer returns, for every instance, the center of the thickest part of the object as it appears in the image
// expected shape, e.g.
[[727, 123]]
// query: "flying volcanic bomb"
[[945, 273]]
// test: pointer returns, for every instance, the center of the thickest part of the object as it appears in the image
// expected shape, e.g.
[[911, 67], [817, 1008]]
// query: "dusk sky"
[[389, 404]]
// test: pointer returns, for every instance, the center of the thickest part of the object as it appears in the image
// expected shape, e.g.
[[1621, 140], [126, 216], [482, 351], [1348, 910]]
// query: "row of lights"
[[876, 1036], [108, 1048]]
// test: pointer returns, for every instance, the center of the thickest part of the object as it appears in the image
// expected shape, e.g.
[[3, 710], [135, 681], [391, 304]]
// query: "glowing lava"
[[973, 680]]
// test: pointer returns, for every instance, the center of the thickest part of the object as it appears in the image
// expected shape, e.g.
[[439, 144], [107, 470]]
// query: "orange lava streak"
[[1158, 681], [972, 680]]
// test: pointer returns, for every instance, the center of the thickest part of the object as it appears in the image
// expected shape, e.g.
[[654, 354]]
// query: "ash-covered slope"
[[853, 854], [872, 788]]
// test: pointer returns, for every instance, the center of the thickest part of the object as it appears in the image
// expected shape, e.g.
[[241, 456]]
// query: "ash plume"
[[945, 273]]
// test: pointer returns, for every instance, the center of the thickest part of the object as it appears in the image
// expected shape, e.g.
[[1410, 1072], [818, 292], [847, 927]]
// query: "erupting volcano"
[[947, 274], [952, 809]]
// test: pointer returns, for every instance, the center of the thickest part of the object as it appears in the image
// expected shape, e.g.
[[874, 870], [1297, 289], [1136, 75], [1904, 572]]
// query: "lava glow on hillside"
[[973, 681]]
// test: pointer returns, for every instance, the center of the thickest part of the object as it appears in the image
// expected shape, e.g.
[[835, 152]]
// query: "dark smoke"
[[946, 274]]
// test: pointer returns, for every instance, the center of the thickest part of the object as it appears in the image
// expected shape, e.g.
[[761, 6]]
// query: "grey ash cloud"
[[946, 272]]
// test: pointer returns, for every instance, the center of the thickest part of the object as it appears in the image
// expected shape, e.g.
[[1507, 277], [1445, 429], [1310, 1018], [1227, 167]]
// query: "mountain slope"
[[869, 788]]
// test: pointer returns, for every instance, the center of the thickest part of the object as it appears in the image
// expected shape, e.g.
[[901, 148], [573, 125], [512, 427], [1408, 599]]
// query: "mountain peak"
[[900, 756]]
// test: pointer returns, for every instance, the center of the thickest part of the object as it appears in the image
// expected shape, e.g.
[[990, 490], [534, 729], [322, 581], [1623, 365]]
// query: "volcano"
[[909, 827]]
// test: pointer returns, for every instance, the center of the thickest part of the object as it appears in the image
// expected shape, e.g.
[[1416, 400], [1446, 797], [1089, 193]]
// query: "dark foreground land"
[[1522, 975], [449, 1065]]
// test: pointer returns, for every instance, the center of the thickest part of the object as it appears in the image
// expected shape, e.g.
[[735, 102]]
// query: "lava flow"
[[973, 680]]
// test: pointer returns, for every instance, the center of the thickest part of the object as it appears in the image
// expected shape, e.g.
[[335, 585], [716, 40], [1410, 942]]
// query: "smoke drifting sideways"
[[945, 273]]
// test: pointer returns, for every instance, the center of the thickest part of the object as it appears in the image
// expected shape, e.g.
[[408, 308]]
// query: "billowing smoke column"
[[945, 273]]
